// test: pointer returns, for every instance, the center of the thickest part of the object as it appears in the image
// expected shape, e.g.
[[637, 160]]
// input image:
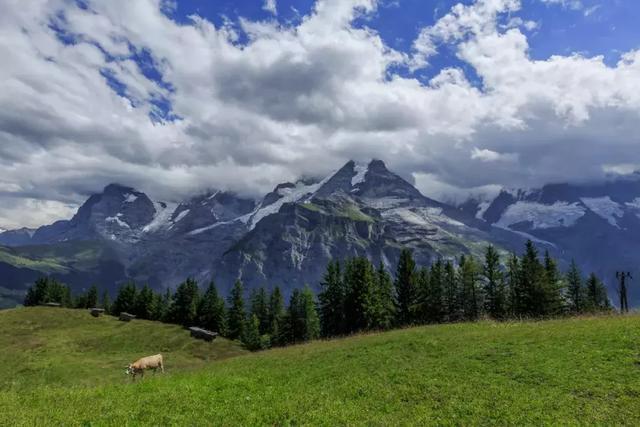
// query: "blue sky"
[[173, 97], [597, 27]]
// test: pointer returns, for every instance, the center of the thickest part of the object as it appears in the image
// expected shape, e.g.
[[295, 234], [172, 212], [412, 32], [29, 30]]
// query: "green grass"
[[46, 265], [577, 371], [62, 348]]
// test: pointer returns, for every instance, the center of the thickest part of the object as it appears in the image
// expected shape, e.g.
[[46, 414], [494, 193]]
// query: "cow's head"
[[129, 370]]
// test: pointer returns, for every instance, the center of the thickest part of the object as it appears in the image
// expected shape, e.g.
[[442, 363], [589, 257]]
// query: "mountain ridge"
[[286, 237]]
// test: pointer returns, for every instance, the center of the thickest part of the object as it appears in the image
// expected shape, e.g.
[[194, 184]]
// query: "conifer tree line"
[[357, 296]]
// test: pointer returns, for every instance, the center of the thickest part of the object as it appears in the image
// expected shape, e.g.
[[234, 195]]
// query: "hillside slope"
[[577, 371], [44, 346]]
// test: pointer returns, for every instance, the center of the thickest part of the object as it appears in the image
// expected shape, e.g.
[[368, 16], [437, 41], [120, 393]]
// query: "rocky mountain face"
[[287, 237], [597, 224]]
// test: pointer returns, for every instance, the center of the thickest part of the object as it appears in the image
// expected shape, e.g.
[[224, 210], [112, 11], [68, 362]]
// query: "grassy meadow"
[[65, 367]]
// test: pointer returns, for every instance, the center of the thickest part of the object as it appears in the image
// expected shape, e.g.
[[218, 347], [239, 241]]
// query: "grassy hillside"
[[578, 371], [62, 348]]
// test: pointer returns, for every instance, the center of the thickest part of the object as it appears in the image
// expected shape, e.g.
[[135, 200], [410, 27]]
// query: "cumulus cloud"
[[118, 91], [270, 6]]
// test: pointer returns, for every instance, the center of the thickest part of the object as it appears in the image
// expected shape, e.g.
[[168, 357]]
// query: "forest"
[[356, 296]]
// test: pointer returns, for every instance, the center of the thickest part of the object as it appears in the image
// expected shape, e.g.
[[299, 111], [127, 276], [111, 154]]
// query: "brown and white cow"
[[146, 363]]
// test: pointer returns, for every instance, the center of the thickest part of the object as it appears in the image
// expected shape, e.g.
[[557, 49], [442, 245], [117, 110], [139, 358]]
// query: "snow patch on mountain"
[[384, 202], [181, 216], [361, 171], [482, 208], [299, 193], [635, 205], [2, 230], [560, 214], [210, 227], [162, 218], [116, 219], [130, 198], [605, 208]]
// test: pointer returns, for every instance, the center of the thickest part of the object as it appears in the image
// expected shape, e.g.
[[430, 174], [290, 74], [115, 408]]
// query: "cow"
[[146, 363]]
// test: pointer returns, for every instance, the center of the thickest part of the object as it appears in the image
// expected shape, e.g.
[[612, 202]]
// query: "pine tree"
[[381, 310], [331, 301], [125, 300], [236, 315], [451, 293], [533, 296], [420, 309], [596, 298], [493, 284], [163, 306], [251, 334], [575, 295], [106, 302], [184, 307], [260, 308], [211, 310], [469, 278], [554, 291], [276, 316], [92, 297], [405, 288], [310, 315], [41, 291], [513, 282], [359, 283], [435, 306], [144, 306]]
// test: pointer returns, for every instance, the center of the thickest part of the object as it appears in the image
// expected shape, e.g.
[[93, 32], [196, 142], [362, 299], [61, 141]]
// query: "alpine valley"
[[288, 236]]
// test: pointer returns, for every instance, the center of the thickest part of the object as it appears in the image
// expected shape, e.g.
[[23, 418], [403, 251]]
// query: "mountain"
[[596, 224], [287, 237]]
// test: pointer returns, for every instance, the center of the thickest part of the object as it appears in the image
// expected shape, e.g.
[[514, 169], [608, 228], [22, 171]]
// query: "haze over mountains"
[[288, 236]]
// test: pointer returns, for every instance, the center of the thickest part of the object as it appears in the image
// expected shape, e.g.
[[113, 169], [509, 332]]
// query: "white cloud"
[[270, 6], [293, 100], [485, 155], [569, 4]]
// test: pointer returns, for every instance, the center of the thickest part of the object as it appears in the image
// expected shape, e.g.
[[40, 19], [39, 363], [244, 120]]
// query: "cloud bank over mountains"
[[96, 92]]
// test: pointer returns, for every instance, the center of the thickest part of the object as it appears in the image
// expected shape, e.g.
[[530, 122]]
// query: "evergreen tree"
[[469, 278], [420, 309], [359, 280], [276, 316], [533, 296], [58, 292], [236, 315], [183, 310], [513, 282], [331, 301], [451, 293], [493, 284], [260, 308], [106, 302], [251, 334], [405, 288], [144, 306], [39, 293], [80, 301], [211, 310], [92, 297], [575, 295], [381, 310], [435, 306], [125, 300], [310, 315], [163, 306], [596, 298], [554, 300], [301, 321]]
